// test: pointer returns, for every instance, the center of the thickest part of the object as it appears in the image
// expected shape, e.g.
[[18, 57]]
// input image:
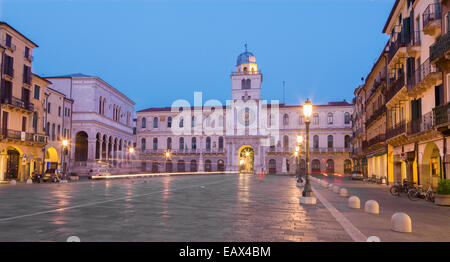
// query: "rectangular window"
[[8, 41], [26, 74], [37, 92], [48, 108], [27, 52], [24, 123], [59, 111]]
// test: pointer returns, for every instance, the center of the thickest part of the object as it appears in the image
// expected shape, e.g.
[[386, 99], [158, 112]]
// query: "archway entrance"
[[246, 159], [51, 158], [12, 164], [347, 166], [81, 146], [432, 170]]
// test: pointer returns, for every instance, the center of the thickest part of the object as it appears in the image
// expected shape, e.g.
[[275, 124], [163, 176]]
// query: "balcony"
[[441, 117], [8, 45], [431, 18], [15, 103], [397, 48], [420, 125], [394, 87], [29, 58], [9, 72], [426, 76], [377, 114], [17, 136], [414, 44], [396, 130], [440, 50], [330, 150], [242, 73]]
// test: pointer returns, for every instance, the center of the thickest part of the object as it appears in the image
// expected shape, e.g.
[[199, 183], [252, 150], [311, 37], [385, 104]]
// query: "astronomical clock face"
[[246, 116]]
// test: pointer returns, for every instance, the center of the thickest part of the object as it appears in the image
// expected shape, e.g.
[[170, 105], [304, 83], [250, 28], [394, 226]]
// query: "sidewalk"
[[429, 221]]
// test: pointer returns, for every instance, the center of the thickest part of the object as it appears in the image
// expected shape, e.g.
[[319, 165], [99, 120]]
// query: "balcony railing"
[[23, 136], [421, 73], [10, 45], [395, 46], [421, 124], [440, 47], [246, 73], [380, 111], [396, 130], [441, 114], [431, 13], [14, 101], [395, 86], [330, 149]]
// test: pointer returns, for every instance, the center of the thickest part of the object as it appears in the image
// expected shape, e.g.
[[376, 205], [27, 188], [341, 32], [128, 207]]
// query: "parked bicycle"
[[402, 188], [419, 193]]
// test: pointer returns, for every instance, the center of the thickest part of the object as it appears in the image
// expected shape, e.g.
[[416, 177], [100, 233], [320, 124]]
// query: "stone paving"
[[429, 221], [195, 208]]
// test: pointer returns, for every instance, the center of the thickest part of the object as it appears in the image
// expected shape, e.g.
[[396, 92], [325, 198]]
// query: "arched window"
[[315, 166], [193, 121], [169, 143], [181, 166], [220, 165], [208, 167], [181, 143], [316, 119], [144, 122], [220, 121], [330, 141], [248, 83], [270, 120], [330, 166], [316, 141], [220, 142], [330, 118], [169, 166], [272, 166], [155, 143], [100, 106], [194, 143], [181, 124], [155, 122], [347, 141], [272, 143], [143, 143], [193, 167], [347, 118], [208, 143], [169, 122], [286, 119], [103, 106]]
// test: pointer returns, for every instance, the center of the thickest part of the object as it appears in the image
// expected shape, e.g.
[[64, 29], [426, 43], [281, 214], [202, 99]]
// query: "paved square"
[[182, 208]]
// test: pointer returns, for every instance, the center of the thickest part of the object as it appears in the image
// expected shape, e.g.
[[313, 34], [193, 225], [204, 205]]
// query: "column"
[[201, 164], [91, 149]]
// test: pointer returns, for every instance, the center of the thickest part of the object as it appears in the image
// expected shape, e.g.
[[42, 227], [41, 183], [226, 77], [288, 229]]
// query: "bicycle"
[[419, 193], [402, 188]]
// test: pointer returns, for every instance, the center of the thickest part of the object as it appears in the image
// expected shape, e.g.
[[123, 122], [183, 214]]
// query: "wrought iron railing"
[[395, 46], [14, 101], [246, 73], [380, 111], [421, 124], [395, 86], [440, 47], [425, 69], [431, 13], [396, 130], [441, 114]]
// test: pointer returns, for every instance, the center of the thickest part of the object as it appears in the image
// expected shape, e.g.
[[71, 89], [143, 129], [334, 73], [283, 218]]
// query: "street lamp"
[[297, 159], [307, 194], [65, 143]]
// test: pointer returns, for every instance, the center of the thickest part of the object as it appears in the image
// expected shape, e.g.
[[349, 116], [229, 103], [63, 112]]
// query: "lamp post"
[[297, 154], [307, 194], [65, 143]]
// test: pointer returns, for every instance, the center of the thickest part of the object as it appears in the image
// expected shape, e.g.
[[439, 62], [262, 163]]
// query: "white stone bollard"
[[401, 222], [29, 181], [354, 202], [330, 186], [371, 206], [12, 182], [343, 192], [336, 189]]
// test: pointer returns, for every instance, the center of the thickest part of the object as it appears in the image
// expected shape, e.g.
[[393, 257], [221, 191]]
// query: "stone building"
[[102, 123], [247, 134], [21, 107]]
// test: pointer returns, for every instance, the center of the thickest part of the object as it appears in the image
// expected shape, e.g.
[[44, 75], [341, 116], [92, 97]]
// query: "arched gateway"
[[246, 159]]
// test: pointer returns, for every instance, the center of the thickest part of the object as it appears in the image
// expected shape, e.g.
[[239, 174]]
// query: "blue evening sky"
[[157, 51]]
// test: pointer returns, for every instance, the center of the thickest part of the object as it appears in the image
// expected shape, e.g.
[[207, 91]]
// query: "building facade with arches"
[[102, 124], [247, 135]]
